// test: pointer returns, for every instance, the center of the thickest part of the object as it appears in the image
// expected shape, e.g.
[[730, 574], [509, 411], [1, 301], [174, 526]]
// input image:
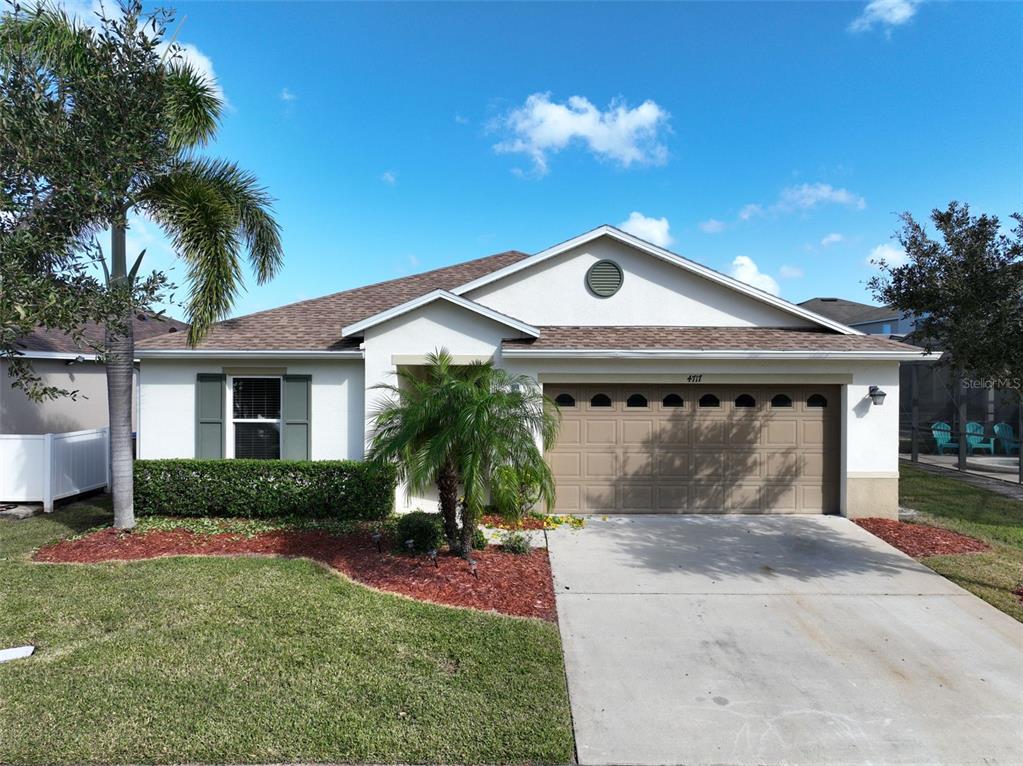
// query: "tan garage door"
[[696, 449]]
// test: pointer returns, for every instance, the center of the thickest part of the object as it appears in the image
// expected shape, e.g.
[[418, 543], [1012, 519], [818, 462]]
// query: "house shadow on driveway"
[[734, 553]]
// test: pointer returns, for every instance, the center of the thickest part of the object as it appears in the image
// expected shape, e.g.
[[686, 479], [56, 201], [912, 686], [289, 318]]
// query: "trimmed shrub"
[[515, 542], [426, 530], [334, 489], [479, 539]]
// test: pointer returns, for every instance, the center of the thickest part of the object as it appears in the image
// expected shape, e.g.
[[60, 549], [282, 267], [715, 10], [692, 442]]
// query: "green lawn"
[[998, 520], [259, 660]]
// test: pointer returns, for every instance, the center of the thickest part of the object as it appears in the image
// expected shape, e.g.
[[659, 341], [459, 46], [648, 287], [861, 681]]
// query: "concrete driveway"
[[777, 640]]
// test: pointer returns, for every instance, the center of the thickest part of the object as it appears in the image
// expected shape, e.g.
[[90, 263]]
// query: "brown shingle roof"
[[315, 325], [145, 325], [702, 339]]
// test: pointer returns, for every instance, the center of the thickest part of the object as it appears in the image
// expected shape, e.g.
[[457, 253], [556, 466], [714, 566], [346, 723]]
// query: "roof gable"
[[486, 284], [439, 295]]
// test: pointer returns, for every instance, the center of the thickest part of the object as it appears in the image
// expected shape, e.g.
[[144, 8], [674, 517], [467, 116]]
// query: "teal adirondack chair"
[[942, 433], [975, 438], [1007, 437]]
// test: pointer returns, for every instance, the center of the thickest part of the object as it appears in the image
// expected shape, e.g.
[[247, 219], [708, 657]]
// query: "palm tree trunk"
[[120, 356], [467, 532], [447, 490]]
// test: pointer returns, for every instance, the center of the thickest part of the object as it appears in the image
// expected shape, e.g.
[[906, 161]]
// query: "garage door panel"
[[566, 464], [707, 497], [743, 497], [638, 498], [781, 432], [673, 430], [743, 464], [673, 464], [706, 431], [659, 458], [571, 431], [569, 498], [601, 465], [779, 497], [637, 464], [783, 465], [812, 434], [600, 431], [813, 466], [600, 497], [671, 498], [637, 432], [708, 465]]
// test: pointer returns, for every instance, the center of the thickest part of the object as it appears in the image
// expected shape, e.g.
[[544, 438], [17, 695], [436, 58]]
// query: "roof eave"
[[207, 353], [669, 353]]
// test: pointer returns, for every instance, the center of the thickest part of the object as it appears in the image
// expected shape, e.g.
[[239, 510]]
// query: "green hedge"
[[337, 489]]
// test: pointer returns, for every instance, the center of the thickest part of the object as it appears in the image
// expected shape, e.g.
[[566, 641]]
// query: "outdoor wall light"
[[876, 395]]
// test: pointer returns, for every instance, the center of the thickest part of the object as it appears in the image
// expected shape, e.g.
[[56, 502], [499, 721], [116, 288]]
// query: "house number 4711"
[[694, 378]]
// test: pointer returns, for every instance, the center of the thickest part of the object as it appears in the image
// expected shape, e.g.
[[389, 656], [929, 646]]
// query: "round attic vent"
[[604, 278]]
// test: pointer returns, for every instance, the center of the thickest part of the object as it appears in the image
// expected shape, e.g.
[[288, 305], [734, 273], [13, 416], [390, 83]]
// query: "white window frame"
[[229, 412]]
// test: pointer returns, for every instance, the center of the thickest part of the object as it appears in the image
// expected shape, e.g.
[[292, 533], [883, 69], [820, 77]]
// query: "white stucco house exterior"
[[681, 389]]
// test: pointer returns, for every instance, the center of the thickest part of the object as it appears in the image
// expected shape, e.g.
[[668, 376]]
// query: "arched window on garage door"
[[781, 400], [564, 400], [816, 400], [745, 400], [672, 400], [709, 400], [600, 400]]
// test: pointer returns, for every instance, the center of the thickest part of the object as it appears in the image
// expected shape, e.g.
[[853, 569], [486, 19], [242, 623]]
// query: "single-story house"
[[681, 389], [62, 362]]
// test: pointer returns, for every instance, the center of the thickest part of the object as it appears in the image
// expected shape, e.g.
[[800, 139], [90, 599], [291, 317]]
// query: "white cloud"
[[750, 211], [389, 177], [892, 255], [831, 239], [626, 136], [653, 230], [287, 96], [712, 226], [790, 272], [884, 13], [807, 196], [745, 270], [461, 120]]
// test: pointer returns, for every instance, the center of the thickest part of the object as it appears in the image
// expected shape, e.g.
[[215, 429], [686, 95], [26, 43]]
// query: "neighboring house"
[[935, 389], [681, 389], [60, 362], [873, 320]]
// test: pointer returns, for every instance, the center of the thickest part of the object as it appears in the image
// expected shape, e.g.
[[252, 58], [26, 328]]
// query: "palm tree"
[[211, 210], [461, 428]]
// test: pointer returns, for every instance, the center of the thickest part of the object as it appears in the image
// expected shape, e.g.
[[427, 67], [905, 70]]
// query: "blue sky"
[[776, 140]]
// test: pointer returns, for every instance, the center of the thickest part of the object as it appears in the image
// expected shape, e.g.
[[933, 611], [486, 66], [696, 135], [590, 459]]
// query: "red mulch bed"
[[512, 584], [526, 522], [919, 540]]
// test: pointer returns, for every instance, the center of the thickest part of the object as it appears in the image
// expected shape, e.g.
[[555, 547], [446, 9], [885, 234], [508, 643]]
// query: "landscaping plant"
[[515, 542], [142, 111], [456, 427], [425, 530]]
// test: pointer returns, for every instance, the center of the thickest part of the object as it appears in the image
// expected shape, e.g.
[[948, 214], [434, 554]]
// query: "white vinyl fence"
[[46, 467]]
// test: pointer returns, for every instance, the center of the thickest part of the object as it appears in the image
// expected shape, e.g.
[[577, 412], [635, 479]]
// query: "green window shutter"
[[209, 416], [296, 416]]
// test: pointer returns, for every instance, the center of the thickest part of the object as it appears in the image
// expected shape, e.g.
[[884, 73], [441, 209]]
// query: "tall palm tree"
[[122, 73], [459, 427]]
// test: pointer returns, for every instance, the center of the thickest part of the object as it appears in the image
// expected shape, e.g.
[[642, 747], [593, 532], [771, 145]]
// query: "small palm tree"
[[210, 209], [460, 428]]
